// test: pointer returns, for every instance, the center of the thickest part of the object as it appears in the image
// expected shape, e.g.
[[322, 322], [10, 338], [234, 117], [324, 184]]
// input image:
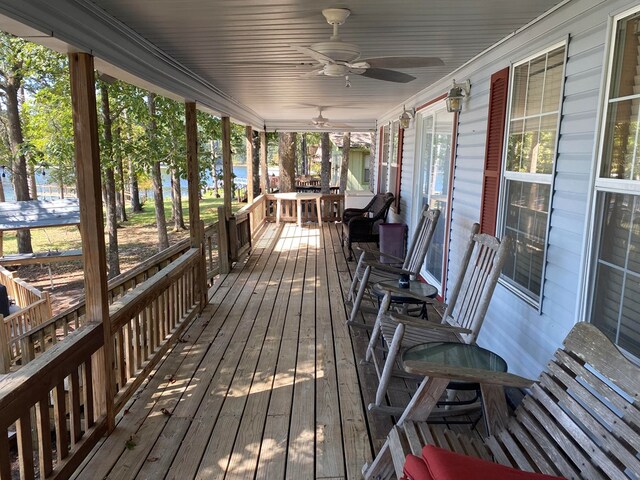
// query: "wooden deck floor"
[[264, 384]]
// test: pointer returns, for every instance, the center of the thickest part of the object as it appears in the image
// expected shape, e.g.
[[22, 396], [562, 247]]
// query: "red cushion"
[[415, 469], [446, 465]]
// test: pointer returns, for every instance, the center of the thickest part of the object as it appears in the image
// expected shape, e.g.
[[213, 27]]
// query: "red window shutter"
[[399, 171], [494, 150], [380, 153]]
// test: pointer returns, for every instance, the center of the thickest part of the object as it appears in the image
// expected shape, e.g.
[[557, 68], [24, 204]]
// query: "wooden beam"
[[248, 134], [264, 171], [196, 227], [87, 154], [226, 165]]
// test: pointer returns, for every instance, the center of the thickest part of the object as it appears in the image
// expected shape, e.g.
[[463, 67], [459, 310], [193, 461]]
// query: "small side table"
[[446, 357], [398, 294]]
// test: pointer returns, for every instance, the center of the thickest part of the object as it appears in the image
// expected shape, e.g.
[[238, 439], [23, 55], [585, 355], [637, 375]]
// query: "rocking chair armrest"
[[466, 374], [428, 325], [387, 268]]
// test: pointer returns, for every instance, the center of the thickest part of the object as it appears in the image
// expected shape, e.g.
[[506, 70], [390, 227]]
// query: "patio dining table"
[[299, 198]]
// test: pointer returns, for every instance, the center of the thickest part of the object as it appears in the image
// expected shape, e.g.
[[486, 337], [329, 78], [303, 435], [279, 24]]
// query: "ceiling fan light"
[[335, 70]]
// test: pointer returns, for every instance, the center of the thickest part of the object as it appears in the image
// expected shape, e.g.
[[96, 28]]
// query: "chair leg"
[[389, 363], [350, 257], [381, 468], [361, 291], [357, 275]]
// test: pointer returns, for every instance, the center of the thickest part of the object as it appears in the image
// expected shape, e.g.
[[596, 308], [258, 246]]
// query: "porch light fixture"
[[456, 94], [405, 118]]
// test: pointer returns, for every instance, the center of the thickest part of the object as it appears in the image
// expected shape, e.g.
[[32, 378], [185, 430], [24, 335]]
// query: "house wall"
[[523, 335]]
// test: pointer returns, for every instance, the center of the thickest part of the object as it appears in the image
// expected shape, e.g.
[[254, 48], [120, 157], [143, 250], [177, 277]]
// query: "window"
[[384, 160], [532, 135], [435, 165], [615, 272]]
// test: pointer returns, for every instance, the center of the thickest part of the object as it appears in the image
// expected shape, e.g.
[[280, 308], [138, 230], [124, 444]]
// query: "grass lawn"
[[138, 229]]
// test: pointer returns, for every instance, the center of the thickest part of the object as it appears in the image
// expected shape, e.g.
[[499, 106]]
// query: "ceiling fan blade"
[[323, 59], [312, 73], [403, 62], [388, 75]]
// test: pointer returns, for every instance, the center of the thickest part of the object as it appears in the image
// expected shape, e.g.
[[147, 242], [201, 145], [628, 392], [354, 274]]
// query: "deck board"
[[266, 384]]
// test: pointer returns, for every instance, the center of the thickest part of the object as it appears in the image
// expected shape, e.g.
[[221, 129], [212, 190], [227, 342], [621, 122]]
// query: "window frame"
[[430, 109], [531, 178], [601, 186]]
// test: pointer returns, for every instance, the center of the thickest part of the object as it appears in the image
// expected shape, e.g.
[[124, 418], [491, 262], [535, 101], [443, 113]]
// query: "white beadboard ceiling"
[[236, 56]]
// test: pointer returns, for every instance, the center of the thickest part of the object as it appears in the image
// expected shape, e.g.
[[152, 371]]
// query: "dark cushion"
[[446, 465]]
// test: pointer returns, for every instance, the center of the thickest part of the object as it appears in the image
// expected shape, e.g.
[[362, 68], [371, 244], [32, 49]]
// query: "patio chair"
[[371, 270], [361, 224], [579, 420], [462, 318]]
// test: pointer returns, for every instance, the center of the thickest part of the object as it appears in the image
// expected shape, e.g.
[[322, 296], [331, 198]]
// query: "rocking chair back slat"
[[421, 241]]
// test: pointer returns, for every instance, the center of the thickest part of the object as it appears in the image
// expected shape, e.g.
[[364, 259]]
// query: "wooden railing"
[[332, 208], [143, 323], [29, 344], [34, 309], [235, 236]]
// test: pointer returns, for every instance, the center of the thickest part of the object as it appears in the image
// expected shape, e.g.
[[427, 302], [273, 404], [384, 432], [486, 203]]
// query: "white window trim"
[[431, 110], [546, 178], [601, 185]]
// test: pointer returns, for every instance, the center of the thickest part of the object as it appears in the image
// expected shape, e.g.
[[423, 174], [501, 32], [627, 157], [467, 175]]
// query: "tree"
[[256, 163], [344, 168], [109, 185], [156, 174], [287, 155], [16, 64], [325, 166]]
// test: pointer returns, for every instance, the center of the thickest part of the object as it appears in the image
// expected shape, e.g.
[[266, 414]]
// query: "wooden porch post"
[[85, 133], [226, 165], [196, 226], [249, 141], [264, 172]]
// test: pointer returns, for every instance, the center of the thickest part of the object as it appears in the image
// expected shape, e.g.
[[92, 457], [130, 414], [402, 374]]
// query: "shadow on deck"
[[263, 384]]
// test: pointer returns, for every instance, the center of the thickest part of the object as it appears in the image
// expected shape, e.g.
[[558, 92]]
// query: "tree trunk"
[[305, 160], [19, 174], [2, 198], [113, 259], [134, 189], [325, 166], [33, 188], [256, 163], [176, 198], [344, 168], [120, 199], [287, 155], [156, 177]]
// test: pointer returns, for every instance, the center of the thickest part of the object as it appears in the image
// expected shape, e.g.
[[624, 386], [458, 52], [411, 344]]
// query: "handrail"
[[144, 322]]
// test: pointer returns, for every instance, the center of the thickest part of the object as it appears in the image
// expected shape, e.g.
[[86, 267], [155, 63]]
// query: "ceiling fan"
[[323, 122], [338, 58]]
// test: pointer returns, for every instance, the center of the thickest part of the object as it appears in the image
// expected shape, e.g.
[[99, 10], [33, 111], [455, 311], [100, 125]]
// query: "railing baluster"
[[60, 418], [5, 457], [74, 408], [43, 421], [25, 446], [87, 395]]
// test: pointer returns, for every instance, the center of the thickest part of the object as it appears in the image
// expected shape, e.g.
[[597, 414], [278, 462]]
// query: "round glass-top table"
[[416, 287], [456, 355]]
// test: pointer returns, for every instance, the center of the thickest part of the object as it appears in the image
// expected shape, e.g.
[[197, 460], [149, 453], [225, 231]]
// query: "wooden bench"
[[580, 420]]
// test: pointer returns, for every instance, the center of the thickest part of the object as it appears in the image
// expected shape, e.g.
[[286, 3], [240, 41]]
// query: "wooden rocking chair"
[[371, 270], [462, 318]]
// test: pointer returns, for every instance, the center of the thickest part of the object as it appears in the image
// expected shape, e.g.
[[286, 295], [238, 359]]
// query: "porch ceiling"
[[233, 45]]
